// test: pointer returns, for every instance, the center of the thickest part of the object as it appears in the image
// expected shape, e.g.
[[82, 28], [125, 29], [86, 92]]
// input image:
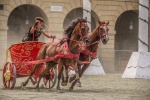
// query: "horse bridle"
[[80, 33], [99, 34], [102, 28]]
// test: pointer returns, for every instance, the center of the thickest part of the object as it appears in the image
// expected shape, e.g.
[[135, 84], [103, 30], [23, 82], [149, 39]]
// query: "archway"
[[78, 12], [19, 21], [126, 40]]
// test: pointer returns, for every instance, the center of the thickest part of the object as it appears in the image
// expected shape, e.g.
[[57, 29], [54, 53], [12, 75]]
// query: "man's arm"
[[48, 36], [44, 32]]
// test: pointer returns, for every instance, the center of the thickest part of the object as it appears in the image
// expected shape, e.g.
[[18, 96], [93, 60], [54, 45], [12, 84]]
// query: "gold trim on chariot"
[[7, 75]]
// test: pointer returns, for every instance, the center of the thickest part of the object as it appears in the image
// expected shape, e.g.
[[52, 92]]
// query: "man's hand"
[[52, 36]]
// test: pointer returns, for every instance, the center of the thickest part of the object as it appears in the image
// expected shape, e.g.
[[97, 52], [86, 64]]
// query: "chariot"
[[20, 60]]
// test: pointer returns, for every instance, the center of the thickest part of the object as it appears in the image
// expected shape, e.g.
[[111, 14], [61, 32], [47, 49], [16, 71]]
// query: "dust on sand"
[[99, 87]]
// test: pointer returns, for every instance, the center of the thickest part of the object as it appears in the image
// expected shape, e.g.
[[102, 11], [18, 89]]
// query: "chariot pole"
[[95, 67], [139, 63]]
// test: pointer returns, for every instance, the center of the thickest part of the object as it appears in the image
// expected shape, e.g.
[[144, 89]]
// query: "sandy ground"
[[101, 87]]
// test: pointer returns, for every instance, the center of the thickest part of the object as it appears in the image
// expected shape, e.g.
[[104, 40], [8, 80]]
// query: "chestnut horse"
[[62, 50], [88, 53]]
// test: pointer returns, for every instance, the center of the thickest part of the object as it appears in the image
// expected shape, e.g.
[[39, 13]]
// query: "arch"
[[126, 40], [78, 12], [19, 21]]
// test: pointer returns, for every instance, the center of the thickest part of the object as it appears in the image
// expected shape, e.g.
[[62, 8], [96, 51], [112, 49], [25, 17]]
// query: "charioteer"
[[36, 31]]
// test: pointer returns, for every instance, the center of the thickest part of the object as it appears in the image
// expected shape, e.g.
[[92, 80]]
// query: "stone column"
[[139, 63], [143, 25], [95, 67], [87, 12]]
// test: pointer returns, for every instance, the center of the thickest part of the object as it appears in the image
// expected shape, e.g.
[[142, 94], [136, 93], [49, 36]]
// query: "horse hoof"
[[38, 90], [22, 86], [70, 89], [60, 91], [79, 85], [34, 82], [63, 83]]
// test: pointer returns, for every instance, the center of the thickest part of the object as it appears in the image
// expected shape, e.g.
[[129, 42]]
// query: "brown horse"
[[88, 53], [62, 50]]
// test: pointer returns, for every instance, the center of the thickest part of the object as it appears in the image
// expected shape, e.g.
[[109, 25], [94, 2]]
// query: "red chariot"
[[19, 62]]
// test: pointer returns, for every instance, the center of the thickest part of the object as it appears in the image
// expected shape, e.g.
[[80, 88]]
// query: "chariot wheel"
[[9, 75], [50, 78]]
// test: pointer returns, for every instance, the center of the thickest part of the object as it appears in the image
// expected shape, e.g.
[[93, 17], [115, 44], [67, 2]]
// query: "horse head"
[[103, 31], [84, 31], [83, 27]]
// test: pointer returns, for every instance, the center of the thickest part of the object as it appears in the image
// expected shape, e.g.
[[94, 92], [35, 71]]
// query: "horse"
[[67, 48], [88, 53]]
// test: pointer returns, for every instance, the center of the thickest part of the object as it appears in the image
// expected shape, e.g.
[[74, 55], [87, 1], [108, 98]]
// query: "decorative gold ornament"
[[82, 48], [7, 75], [65, 52]]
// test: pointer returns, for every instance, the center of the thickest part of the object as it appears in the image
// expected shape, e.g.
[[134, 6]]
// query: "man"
[[36, 31]]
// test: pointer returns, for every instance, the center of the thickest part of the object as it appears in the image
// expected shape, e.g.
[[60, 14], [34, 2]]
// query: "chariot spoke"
[[9, 83], [49, 83]]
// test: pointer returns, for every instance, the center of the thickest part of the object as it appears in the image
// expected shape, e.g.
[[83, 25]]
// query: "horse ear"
[[107, 23], [78, 19]]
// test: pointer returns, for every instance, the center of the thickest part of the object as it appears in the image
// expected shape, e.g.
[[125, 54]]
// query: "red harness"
[[65, 53], [85, 51]]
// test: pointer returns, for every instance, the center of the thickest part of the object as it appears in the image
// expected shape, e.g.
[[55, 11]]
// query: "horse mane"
[[68, 31]]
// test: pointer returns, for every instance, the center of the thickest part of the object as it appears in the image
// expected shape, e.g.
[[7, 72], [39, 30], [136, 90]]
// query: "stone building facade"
[[121, 14]]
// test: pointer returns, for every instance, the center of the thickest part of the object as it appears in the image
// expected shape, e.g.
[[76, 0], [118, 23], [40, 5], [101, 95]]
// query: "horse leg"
[[74, 76], [75, 81], [79, 71], [80, 75], [67, 74], [83, 69], [33, 81], [48, 66], [60, 71], [32, 72], [63, 77]]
